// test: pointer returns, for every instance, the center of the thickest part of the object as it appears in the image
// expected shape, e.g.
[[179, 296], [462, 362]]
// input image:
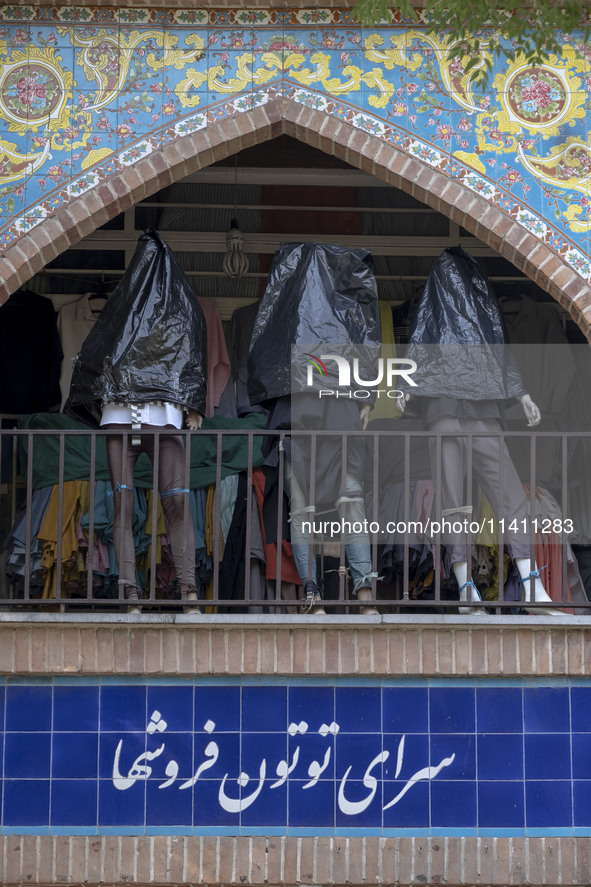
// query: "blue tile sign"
[[296, 756]]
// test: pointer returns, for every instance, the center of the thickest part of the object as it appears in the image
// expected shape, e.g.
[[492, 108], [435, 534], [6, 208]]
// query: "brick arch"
[[190, 153]]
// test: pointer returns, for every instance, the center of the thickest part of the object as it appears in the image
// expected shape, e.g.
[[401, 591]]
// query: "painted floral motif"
[[93, 83], [537, 95]]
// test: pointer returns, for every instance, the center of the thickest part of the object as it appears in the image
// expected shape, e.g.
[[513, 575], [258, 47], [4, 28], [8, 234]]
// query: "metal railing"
[[25, 454]]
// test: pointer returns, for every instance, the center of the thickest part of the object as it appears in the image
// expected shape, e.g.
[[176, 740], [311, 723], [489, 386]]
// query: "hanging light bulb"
[[235, 263]]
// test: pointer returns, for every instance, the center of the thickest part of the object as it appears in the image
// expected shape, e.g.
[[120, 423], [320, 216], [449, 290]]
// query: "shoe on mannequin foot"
[[313, 604], [191, 608], [365, 594]]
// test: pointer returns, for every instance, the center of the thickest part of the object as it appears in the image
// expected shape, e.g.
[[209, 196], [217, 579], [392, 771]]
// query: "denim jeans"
[[357, 545]]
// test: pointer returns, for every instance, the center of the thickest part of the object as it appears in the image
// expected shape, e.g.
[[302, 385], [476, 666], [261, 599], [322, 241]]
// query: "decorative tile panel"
[[88, 91], [293, 756]]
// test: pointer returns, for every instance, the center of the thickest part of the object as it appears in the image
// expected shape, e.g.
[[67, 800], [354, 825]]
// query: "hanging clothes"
[[218, 359], [48, 533], [30, 354], [74, 322]]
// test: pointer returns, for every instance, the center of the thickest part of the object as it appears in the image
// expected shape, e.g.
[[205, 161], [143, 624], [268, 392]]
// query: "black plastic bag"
[[317, 294], [149, 343], [457, 336]]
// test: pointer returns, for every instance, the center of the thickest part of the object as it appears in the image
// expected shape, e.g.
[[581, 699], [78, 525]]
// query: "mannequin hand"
[[364, 415], [532, 413], [194, 420], [401, 401]]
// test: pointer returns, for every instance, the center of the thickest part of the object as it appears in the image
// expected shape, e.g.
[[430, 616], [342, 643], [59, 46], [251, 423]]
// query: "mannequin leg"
[[514, 509], [538, 593], [351, 510], [121, 468], [306, 565], [174, 500], [468, 591]]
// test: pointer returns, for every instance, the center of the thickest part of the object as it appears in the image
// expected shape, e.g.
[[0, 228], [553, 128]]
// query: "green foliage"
[[534, 28]]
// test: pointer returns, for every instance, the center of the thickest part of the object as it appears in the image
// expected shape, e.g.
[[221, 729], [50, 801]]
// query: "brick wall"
[[403, 646]]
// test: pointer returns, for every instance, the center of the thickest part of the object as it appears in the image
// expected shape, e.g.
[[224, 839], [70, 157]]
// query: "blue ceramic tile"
[[358, 709], [220, 705], [123, 708], [264, 709], [546, 710], [132, 746], [581, 709], [413, 752], [452, 710], [269, 808], [168, 806], [499, 710], [453, 804], [547, 757], [223, 755], [582, 802], [27, 755], [207, 809], [314, 806], [581, 756], [405, 710], [312, 756], [258, 747], [357, 752], [28, 708], [501, 804], [122, 807], [411, 810], [75, 709], [463, 750], [26, 802], [314, 705], [74, 802], [74, 756], [548, 804], [175, 761], [500, 756], [358, 805], [175, 705]]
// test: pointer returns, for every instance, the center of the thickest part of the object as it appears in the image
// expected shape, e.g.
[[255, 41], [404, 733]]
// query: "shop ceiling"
[[279, 191]]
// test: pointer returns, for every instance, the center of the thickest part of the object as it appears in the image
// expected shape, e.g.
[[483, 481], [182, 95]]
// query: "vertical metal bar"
[[437, 557], [406, 551], [280, 481], [247, 548], [342, 559], [564, 514], [187, 506], [155, 498], [216, 538], [29, 516], [121, 503], [312, 496], [375, 510], [469, 494], [501, 523], [92, 492], [13, 480], [532, 514], [60, 521]]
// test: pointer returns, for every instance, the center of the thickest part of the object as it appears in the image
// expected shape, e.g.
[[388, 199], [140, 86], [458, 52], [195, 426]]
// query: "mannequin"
[[142, 366], [318, 296], [464, 375]]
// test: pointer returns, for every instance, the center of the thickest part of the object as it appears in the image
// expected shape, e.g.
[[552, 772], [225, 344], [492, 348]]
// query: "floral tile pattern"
[[87, 91]]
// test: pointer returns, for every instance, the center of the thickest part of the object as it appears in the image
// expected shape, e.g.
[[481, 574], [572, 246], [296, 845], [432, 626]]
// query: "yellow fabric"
[[385, 407], [48, 533]]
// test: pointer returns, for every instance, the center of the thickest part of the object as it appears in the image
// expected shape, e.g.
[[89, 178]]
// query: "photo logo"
[[388, 370]]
